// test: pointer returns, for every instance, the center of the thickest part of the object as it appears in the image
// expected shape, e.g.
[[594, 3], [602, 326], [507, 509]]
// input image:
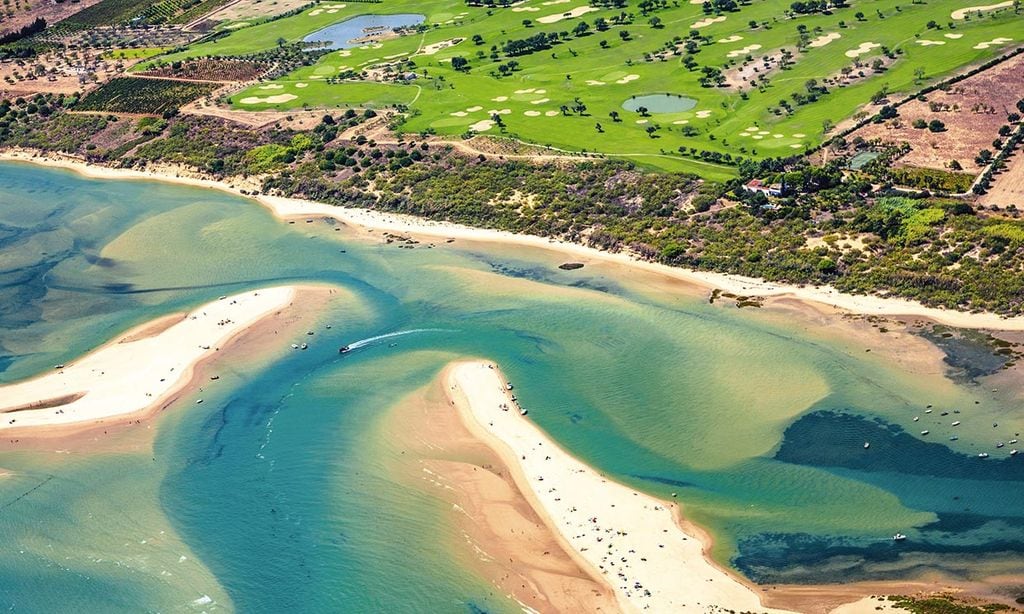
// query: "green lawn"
[[602, 70]]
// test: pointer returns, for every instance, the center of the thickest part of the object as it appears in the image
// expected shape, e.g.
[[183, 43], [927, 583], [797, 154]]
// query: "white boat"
[[916, 418], [1013, 441], [508, 386], [1013, 453], [899, 537], [956, 423], [866, 445], [983, 455], [925, 432]]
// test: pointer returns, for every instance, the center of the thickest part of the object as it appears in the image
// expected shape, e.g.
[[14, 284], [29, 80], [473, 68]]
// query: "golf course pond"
[[362, 30], [660, 103]]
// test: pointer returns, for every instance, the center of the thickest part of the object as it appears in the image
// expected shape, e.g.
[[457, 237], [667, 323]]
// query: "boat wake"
[[355, 345]]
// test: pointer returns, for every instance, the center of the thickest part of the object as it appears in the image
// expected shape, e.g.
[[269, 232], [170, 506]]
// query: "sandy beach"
[[371, 219], [137, 371], [635, 542]]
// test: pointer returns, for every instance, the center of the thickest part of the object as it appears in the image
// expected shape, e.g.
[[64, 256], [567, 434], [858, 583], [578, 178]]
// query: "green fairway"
[[557, 96]]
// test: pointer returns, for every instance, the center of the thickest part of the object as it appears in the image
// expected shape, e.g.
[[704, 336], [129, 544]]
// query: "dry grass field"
[[19, 13], [1008, 187], [972, 110], [240, 10]]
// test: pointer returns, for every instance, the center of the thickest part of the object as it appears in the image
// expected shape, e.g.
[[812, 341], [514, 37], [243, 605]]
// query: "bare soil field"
[[972, 110], [20, 13], [254, 9], [1008, 187]]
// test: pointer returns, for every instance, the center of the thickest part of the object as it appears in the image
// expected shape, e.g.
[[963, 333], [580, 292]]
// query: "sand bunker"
[[995, 42], [540, 101], [499, 99], [962, 13], [499, 111], [435, 47], [576, 12], [272, 86], [482, 125], [924, 42], [795, 146], [301, 85], [758, 136], [735, 53], [703, 114], [525, 9], [541, 92], [553, 2], [953, 36], [627, 79], [680, 122], [825, 39], [532, 113], [269, 99], [864, 48], [703, 23], [526, 91], [459, 114], [551, 113], [731, 39], [594, 82], [799, 135], [474, 109], [641, 121]]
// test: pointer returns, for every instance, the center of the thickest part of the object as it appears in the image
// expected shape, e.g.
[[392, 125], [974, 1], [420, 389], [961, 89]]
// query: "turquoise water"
[[281, 493], [343, 34], [660, 103]]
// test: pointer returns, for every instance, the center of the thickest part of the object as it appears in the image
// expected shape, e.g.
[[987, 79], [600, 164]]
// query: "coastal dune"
[[635, 543], [140, 369]]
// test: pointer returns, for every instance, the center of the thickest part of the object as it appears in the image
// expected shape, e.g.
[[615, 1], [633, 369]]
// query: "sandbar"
[[138, 370]]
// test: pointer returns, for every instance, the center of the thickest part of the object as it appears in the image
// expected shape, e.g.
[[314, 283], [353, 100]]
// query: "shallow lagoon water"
[[280, 491], [343, 34]]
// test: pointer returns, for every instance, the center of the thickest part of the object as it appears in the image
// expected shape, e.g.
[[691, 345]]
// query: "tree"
[[598, 127], [642, 111], [655, 22], [581, 29], [477, 39], [651, 130], [624, 35], [281, 41], [460, 63], [936, 126], [859, 16], [527, 23], [615, 116]]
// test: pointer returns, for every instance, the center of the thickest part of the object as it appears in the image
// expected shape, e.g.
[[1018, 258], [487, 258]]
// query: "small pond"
[[660, 103], [362, 30]]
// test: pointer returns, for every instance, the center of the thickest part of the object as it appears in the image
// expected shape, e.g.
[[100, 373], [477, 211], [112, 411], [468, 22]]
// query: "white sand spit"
[[825, 39], [482, 126], [136, 372], [268, 99], [735, 53], [995, 42], [703, 23], [576, 12], [862, 49], [632, 540], [964, 12]]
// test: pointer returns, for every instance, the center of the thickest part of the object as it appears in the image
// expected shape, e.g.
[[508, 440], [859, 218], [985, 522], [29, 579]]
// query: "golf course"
[[678, 86]]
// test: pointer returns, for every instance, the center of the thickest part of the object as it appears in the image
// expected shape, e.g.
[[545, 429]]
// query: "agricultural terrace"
[[763, 79], [144, 96]]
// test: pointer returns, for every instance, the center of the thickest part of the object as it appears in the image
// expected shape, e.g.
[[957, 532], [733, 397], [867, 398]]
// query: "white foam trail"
[[365, 342]]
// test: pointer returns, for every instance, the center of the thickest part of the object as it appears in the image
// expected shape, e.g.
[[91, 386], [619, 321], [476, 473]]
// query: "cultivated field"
[[1008, 187], [239, 11], [142, 96], [16, 14], [972, 111], [563, 93]]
